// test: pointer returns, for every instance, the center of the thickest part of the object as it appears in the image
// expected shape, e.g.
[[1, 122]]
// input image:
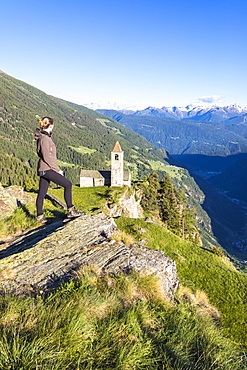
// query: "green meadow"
[[201, 269], [92, 200]]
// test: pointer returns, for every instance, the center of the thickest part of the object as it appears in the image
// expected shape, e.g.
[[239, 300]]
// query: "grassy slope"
[[114, 323], [198, 268], [123, 322], [90, 200], [201, 269]]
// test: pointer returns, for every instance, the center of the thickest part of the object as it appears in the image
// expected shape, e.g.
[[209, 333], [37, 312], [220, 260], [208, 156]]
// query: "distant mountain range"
[[195, 113], [192, 130]]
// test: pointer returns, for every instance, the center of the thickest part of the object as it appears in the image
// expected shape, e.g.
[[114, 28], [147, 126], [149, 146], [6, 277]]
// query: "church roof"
[[117, 147], [91, 173], [106, 174]]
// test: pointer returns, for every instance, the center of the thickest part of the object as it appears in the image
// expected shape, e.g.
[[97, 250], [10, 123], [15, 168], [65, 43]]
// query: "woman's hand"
[[61, 172]]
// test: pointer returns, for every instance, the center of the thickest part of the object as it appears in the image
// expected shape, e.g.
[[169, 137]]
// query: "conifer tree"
[[162, 200], [188, 220], [149, 200], [169, 205]]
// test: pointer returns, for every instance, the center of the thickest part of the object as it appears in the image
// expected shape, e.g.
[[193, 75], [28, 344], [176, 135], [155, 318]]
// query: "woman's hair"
[[45, 122]]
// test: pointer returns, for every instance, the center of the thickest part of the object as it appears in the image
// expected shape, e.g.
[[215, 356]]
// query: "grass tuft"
[[110, 322], [122, 236], [199, 300]]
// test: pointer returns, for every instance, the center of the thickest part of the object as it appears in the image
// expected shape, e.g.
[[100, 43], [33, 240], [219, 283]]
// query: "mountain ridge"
[[198, 113], [186, 136]]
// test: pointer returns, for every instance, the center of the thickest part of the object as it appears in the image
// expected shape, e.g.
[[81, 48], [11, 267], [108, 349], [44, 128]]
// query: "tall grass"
[[201, 269], [108, 322], [21, 219]]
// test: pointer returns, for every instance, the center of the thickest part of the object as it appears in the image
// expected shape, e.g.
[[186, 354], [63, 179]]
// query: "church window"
[[116, 157]]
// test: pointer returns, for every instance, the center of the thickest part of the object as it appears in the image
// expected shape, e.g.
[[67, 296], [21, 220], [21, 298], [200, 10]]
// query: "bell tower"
[[117, 165]]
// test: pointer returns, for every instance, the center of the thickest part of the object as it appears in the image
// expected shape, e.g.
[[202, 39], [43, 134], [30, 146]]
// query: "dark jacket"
[[46, 150]]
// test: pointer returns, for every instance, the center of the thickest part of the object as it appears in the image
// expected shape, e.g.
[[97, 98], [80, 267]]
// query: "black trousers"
[[44, 183]]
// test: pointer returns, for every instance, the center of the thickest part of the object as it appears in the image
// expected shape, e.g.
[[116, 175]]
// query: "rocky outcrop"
[[38, 262], [10, 198], [8, 203], [21, 196], [128, 206]]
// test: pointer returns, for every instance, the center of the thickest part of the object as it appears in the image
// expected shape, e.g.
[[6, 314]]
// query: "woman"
[[48, 170]]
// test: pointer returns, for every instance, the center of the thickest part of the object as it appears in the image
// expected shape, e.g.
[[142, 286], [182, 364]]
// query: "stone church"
[[116, 177]]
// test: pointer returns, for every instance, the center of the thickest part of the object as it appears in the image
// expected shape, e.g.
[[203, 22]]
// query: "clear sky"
[[134, 52]]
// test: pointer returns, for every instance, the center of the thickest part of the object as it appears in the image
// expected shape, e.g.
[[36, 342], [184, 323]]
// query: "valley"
[[227, 210]]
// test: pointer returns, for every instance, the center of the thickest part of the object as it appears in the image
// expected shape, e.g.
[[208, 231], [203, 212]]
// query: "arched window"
[[116, 157]]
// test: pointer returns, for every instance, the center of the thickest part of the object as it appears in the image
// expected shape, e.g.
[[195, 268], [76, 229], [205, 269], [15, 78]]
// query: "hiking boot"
[[73, 212], [41, 219]]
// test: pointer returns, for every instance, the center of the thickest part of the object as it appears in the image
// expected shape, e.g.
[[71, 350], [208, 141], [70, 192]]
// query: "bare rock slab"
[[41, 263]]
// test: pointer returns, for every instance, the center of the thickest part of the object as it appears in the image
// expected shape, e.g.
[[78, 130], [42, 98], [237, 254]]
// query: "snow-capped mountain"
[[196, 113]]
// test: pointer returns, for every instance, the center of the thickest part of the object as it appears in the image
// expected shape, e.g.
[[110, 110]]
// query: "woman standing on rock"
[[48, 170]]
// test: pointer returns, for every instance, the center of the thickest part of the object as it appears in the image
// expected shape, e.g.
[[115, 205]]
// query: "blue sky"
[[139, 52]]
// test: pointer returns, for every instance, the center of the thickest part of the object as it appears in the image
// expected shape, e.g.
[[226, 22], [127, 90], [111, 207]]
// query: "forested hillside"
[[82, 140]]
